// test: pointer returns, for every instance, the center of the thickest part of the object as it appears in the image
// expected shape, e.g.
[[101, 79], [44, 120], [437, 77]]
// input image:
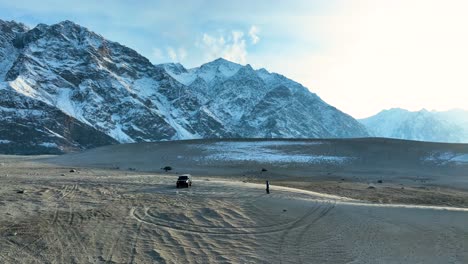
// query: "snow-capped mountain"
[[63, 87], [449, 126], [256, 103]]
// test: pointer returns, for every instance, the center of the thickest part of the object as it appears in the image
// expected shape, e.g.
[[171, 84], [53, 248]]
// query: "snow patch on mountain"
[[119, 135], [145, 87], [64, 103], [178, 72], [21, 86], [54, 133]]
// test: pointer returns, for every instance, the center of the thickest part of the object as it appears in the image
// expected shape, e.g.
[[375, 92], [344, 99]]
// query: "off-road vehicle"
[[184, 181]]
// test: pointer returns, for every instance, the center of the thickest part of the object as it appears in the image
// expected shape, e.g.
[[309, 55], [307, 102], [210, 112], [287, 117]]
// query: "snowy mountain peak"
[[173, 68], [211, 72], [396, 109], [219, 68], [68, 23], [12, 26], [245, 71], [419, 125], [263, 71], [74, 31], [220, 62]]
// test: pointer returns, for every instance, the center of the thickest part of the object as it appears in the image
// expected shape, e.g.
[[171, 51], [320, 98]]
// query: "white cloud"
[[231, 47], [172, 53], [253, 33], [176, 55]]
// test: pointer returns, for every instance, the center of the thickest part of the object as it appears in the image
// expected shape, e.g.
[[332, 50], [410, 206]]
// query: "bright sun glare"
[[383, 54]]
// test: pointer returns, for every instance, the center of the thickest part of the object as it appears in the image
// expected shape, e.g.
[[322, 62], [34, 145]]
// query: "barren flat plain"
[[331, 201]]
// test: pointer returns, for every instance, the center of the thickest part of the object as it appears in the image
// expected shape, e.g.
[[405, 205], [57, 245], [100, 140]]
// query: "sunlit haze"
[[360, 56]]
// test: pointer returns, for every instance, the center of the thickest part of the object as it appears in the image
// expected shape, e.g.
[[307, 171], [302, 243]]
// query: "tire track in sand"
[[300, 223]]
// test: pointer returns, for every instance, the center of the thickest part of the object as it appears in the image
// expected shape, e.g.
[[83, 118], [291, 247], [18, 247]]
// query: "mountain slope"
[[259, 104], [421, 125], [114, 95], [31, 126]]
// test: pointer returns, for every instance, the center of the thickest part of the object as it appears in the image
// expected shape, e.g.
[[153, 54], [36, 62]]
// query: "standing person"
[[267, 187]]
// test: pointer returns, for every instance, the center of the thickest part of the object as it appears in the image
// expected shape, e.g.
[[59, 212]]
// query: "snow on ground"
[[461, 158], [4, 141], [48, 145], [266, 152], [443, 158]]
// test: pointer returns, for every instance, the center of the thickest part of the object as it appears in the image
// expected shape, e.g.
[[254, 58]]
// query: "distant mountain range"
[[449, 126], [65, 88]]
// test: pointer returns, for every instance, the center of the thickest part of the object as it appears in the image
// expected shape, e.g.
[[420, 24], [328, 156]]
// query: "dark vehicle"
[[184, 181]]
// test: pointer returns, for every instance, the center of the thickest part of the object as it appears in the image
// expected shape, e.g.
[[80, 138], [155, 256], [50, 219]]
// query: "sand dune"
[[105, 214]]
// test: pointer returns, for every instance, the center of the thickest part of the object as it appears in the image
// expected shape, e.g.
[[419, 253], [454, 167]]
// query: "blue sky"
[[358, 55], [192, 32]]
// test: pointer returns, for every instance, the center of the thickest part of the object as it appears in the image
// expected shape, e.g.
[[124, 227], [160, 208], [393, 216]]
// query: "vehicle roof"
[[186, 175]]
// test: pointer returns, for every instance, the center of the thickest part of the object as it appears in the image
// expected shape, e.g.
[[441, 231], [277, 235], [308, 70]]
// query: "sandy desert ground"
[[114, 212]]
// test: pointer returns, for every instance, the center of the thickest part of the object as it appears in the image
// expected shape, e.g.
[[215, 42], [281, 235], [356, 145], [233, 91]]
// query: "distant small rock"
[[13, 234], [73, 170], [264, 170], [62, 174], [167, 168], [371, 187], [20, 191], [379, 181]]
